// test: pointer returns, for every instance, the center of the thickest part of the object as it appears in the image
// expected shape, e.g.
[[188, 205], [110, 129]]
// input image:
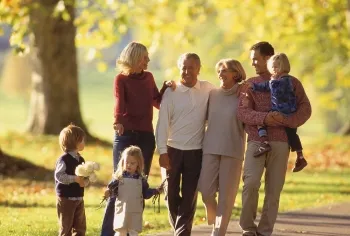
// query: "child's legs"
[[293, 139], [121, 232], [65, 213], [262, 131], [79, 221]]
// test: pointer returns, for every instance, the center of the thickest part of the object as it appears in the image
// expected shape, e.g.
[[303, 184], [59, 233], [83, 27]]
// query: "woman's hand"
[[119, 128], [171, 84]]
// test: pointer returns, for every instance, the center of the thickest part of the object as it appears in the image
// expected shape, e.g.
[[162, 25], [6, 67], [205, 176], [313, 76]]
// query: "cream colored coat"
[[129, 205]]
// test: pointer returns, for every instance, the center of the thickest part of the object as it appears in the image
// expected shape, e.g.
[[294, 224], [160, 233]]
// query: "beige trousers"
[[125, 232], [275, 163], [219, 174]]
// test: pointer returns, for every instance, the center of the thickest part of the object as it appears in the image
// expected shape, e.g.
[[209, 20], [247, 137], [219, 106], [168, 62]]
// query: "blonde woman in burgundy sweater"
[[223, 147], [135, 94]]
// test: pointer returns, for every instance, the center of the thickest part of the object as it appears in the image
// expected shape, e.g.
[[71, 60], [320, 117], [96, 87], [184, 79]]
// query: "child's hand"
[[80, 181], [106, 193], [160, 189]]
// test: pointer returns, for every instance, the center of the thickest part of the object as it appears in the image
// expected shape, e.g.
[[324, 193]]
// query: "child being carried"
[[283, 100]]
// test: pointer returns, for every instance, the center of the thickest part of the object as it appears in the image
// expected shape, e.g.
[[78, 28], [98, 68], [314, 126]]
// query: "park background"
[[68, 49]]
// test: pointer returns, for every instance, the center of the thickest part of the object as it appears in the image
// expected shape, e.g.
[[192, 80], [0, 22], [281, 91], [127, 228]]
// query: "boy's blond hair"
[[70, 137], [233, 65], [130, 151], [130, 57], [280, 60]]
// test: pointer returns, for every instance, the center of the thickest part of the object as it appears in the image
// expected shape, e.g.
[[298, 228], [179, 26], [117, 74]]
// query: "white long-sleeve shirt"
[[182, 116]]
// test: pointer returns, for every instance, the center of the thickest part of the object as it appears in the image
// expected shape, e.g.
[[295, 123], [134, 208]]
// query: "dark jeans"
[[293, 139], [146, 142], [185, 169]]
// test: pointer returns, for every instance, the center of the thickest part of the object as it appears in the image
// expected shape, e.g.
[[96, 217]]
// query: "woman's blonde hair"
[[131, 56], [70, 137], [232, 65], [130, 151], [281, 62]]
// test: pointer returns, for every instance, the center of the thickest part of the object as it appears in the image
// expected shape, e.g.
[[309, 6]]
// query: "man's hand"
[[164, 161], [278, 116], [119, 128], [245, 102], [273, 120]]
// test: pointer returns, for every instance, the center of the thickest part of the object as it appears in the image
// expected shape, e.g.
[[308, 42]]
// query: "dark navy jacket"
[[283, 98]]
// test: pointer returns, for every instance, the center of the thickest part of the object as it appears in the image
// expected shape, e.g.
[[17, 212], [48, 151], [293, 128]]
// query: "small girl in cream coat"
[[131, 188]]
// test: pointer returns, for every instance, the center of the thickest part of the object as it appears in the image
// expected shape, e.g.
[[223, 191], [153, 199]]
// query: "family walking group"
[[201, 140]]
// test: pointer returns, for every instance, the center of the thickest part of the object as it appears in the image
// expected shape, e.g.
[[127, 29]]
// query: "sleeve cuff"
[[162, 151]]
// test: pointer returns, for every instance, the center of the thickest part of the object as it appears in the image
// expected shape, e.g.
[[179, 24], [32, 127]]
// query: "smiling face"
[[189, 69], [131, 164], [226, 76], [259, 62]]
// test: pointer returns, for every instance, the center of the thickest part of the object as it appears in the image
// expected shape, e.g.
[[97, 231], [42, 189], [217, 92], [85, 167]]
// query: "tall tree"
[[54, 98], [314, 34]]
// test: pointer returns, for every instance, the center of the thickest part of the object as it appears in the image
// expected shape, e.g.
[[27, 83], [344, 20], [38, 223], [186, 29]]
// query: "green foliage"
[[314, 35]]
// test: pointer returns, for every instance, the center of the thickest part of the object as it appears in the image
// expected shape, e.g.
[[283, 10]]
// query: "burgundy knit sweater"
[[135, 95]]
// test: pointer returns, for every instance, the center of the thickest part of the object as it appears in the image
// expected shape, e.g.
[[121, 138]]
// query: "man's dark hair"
[[264, 48]]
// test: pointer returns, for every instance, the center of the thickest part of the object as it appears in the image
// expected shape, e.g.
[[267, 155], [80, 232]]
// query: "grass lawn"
[[27, 198]]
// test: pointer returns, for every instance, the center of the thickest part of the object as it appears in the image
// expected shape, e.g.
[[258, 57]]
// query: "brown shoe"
[[300, 164], [263, 148]]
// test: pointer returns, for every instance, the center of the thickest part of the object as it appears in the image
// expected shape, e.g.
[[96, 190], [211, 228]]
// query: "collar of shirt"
[[128, 175], [183, 88], [75, 155]]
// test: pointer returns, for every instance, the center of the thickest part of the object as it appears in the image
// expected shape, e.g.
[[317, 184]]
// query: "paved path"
[[331, 220]]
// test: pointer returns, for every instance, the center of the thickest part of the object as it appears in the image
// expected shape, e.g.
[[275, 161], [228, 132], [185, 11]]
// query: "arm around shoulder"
[[245, 111]]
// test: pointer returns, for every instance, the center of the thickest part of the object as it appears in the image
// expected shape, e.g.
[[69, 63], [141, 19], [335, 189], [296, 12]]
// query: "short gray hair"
[[186, 56]]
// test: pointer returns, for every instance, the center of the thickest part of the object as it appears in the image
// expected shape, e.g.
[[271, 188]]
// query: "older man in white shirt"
[[179, 136]]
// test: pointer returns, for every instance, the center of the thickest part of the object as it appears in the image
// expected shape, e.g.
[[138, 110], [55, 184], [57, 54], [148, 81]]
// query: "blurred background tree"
[[313, 33]]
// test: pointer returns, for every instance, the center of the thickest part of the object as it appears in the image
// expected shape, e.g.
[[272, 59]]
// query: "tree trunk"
[[54, 99], [345, 129]]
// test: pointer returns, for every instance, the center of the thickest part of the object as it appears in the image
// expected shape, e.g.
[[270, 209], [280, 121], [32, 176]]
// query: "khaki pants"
[[275, 163], [125, 232], [219, 174], [71, 217]]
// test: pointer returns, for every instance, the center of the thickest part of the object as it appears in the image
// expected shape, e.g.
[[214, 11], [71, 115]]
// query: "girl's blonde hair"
[[130, 57], [233, 65], [70, 137], [130, 151], [281, 62]]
